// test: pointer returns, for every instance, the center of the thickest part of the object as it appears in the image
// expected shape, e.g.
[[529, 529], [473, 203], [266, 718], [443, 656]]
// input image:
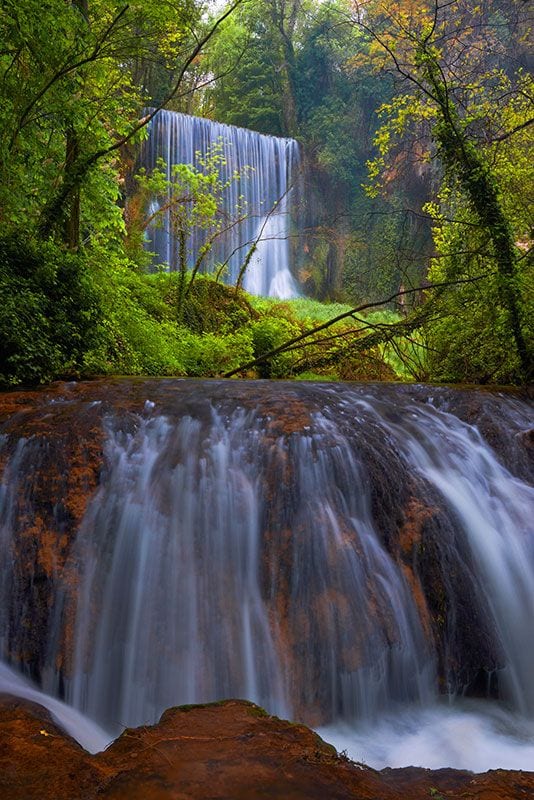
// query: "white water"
[[175, 538], [268, 273], [205, 520], [268, 166], [476, 736], [495, 511]]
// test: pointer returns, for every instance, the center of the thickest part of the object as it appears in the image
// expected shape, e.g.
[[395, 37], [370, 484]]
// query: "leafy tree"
[[191, 200], [449, 55], [49, 311], [461, 104], [248, 91], [74, 81], [71, 97], [307, 57]]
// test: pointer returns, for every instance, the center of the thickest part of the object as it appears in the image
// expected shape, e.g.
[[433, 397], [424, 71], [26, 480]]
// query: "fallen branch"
[[410, 324]]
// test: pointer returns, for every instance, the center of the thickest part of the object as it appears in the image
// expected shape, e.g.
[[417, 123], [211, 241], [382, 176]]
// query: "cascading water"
[[185, 511], [268, 168], [329, 553], [91, 736], [494, 511]]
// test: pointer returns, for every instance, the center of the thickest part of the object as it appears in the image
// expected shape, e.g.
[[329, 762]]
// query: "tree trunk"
[[476, 180], [71, 228]]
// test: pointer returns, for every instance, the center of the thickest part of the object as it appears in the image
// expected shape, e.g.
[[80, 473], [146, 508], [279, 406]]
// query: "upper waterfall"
[[267, 166]]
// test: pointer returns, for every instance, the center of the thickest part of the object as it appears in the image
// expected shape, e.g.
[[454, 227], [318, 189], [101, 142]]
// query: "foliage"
[[304, 309], [301, 69], [139, 334], [49, 310], [220, 331], [72, 94], [248, 92], [267, 333], [454, 134], [473, 104]]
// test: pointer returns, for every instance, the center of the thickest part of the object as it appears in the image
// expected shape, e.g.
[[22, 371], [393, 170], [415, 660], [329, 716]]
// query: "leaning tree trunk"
[[476, 180]]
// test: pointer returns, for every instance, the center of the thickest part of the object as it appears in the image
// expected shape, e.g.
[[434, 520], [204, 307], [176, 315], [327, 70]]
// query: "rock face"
[[223, 751], [37, 760]]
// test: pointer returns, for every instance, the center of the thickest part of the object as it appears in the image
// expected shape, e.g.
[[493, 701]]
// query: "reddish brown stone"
[[222, 751], [37, 760]]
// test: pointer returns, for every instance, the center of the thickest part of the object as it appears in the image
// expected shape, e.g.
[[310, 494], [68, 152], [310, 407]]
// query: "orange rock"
[[222, 751]]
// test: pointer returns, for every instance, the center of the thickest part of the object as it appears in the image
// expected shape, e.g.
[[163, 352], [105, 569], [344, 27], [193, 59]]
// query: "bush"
[[49, 312], [210, 355], [267, 334]]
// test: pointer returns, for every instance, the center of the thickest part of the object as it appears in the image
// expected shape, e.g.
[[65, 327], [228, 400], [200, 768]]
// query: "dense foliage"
[[476, 98], [415, 122], [49, 311], [302, 69]]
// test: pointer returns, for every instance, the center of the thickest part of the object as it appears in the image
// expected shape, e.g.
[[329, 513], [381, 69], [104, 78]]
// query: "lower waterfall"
[[360, 558]]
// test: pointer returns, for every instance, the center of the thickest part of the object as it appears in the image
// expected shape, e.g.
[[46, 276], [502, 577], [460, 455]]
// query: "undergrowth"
[[127, 322]]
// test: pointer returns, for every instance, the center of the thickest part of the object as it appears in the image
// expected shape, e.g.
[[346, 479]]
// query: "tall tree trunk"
[[71, 228], [284, 14], [475, 177]]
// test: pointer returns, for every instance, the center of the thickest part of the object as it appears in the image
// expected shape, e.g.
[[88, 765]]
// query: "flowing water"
[[337, 554], [471, 735], [90, 735], [268, 169]]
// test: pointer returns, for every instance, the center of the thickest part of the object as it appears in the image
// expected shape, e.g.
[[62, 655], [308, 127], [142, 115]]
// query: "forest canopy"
[[415, 124]]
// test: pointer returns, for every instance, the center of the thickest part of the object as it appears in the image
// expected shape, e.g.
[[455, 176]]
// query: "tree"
[[191, 201], [448, 56], [71, 101], [344, 252]]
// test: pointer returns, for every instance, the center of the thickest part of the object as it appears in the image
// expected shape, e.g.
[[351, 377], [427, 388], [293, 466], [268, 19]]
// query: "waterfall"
[[268, 167], [492, 508], [335, 554], [182, 511]]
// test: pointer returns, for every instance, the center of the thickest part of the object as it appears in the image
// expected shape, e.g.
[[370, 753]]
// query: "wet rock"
[[65, 463], [223, 751], [37, 760]]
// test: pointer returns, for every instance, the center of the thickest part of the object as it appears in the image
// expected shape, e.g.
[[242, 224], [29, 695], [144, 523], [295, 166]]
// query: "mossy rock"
[[216, 308]]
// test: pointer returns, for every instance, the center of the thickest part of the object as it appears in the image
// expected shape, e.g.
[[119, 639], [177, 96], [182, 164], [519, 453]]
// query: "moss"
[[209, 307], [252, 709]]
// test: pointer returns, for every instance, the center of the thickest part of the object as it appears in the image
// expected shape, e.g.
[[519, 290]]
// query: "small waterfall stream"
[[268, 168], [335, 554]]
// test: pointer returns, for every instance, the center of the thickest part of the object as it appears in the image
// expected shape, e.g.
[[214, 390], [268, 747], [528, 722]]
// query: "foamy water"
[[475, 735]]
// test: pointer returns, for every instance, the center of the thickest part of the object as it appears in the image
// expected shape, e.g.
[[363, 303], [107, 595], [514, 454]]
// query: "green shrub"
[[140, 335], [210, 355], [267, 334], [49, 312]]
